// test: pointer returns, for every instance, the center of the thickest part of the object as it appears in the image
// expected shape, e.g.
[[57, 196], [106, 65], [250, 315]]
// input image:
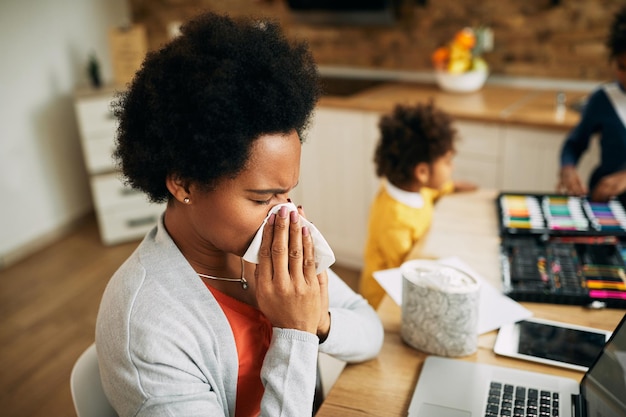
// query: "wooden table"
[[465, 225]]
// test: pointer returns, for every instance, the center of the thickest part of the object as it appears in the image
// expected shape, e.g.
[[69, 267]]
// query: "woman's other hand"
[[610, 186]]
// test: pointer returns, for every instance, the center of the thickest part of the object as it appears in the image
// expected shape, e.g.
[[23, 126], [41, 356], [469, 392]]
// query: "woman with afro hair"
[[604, 114], [414, 156], [212, 124]]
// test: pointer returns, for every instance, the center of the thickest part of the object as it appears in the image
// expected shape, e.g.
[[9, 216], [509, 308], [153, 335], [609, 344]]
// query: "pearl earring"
[[186, 200]]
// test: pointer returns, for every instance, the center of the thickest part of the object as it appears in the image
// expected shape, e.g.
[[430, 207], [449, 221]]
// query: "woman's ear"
[[421, 172], [178, 188]]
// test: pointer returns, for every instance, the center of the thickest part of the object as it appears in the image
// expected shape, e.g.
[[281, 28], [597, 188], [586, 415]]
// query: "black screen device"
[[551, 342]]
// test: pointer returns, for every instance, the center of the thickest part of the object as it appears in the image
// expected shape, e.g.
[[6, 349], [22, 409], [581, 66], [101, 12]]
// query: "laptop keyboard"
[[517, 401]]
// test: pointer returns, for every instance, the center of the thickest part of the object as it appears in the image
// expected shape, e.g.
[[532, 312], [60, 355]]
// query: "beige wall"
[[42, 174], [533, 38]]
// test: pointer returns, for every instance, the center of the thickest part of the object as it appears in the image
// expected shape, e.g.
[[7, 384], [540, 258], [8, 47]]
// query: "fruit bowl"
[[465, 82]]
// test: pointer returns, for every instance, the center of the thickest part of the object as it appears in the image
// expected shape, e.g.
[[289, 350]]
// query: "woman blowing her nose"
[[213, 124]]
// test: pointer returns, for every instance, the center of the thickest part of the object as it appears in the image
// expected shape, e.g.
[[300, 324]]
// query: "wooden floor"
[[48, 308]]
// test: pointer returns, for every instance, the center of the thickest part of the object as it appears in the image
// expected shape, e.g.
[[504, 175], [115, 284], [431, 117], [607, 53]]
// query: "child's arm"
[[463, 186]]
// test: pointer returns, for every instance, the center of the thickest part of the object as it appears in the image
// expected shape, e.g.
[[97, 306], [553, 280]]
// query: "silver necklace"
[[242, 280]]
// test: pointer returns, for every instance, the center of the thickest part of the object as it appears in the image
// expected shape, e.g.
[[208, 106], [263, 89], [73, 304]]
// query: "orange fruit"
[[440, 57], [465, 38]]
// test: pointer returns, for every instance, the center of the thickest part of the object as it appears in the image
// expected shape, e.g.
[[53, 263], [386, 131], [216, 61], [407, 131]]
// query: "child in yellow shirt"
[[414, 156]]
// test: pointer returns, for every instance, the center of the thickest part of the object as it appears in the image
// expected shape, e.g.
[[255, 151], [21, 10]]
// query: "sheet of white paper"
[[495, 308]]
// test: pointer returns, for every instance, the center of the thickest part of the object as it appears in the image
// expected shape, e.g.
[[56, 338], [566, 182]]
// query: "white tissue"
[[324, 256]]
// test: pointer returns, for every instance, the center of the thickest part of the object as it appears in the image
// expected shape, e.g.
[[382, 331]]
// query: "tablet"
[[551, 343]]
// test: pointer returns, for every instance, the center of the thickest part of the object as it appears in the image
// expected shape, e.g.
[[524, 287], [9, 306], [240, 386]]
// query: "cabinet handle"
[[128, 191], [142, 221]]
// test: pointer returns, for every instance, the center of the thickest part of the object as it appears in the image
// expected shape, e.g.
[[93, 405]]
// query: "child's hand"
[[463, 186]]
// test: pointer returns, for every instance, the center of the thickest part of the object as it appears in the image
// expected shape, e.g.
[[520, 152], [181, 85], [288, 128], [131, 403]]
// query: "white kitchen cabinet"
[[123, 214], [337, 178], [530, 160], [478, 153]]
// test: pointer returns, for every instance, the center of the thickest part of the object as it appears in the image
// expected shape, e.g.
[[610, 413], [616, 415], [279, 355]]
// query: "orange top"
[[253, 333]]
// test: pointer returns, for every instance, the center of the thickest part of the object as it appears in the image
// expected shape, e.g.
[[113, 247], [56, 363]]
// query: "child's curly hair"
[[411, 135], [616, 41], [196, 106]]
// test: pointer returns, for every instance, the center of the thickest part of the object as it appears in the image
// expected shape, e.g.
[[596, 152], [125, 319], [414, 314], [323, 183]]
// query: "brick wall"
[[533, 38]]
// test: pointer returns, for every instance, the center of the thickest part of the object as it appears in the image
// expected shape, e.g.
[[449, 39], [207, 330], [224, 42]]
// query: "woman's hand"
[[287, 288], [569, 181], [609, 187], [324, 325]]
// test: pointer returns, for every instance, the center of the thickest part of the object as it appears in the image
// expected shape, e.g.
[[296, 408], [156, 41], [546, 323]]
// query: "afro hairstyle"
[[616, 41], [411, 135], [196, 106]]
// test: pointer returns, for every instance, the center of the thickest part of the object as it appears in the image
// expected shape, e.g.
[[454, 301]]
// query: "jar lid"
[[432, 274]]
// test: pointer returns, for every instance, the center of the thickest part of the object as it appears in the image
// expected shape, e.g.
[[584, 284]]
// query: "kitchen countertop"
[[492, 104]]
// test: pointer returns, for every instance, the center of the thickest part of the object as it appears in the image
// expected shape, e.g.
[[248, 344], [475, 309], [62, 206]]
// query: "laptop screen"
[[604, 385]]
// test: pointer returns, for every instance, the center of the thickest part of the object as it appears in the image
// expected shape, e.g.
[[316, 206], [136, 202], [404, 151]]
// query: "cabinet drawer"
[[109, 192], [95, 117], [98, 153], [117, 225], [97, 127]]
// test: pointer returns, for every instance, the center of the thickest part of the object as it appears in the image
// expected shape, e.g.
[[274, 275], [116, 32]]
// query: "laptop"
[[456, 388]]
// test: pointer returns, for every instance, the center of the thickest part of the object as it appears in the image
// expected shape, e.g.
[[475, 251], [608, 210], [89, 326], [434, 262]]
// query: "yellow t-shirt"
[[397, 220]]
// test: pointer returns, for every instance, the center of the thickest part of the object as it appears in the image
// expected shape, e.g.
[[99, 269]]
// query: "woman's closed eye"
[[277, 195]]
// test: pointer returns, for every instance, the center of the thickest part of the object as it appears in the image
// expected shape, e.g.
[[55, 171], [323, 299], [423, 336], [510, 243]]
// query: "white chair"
[[87, 392], [89, 398]]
